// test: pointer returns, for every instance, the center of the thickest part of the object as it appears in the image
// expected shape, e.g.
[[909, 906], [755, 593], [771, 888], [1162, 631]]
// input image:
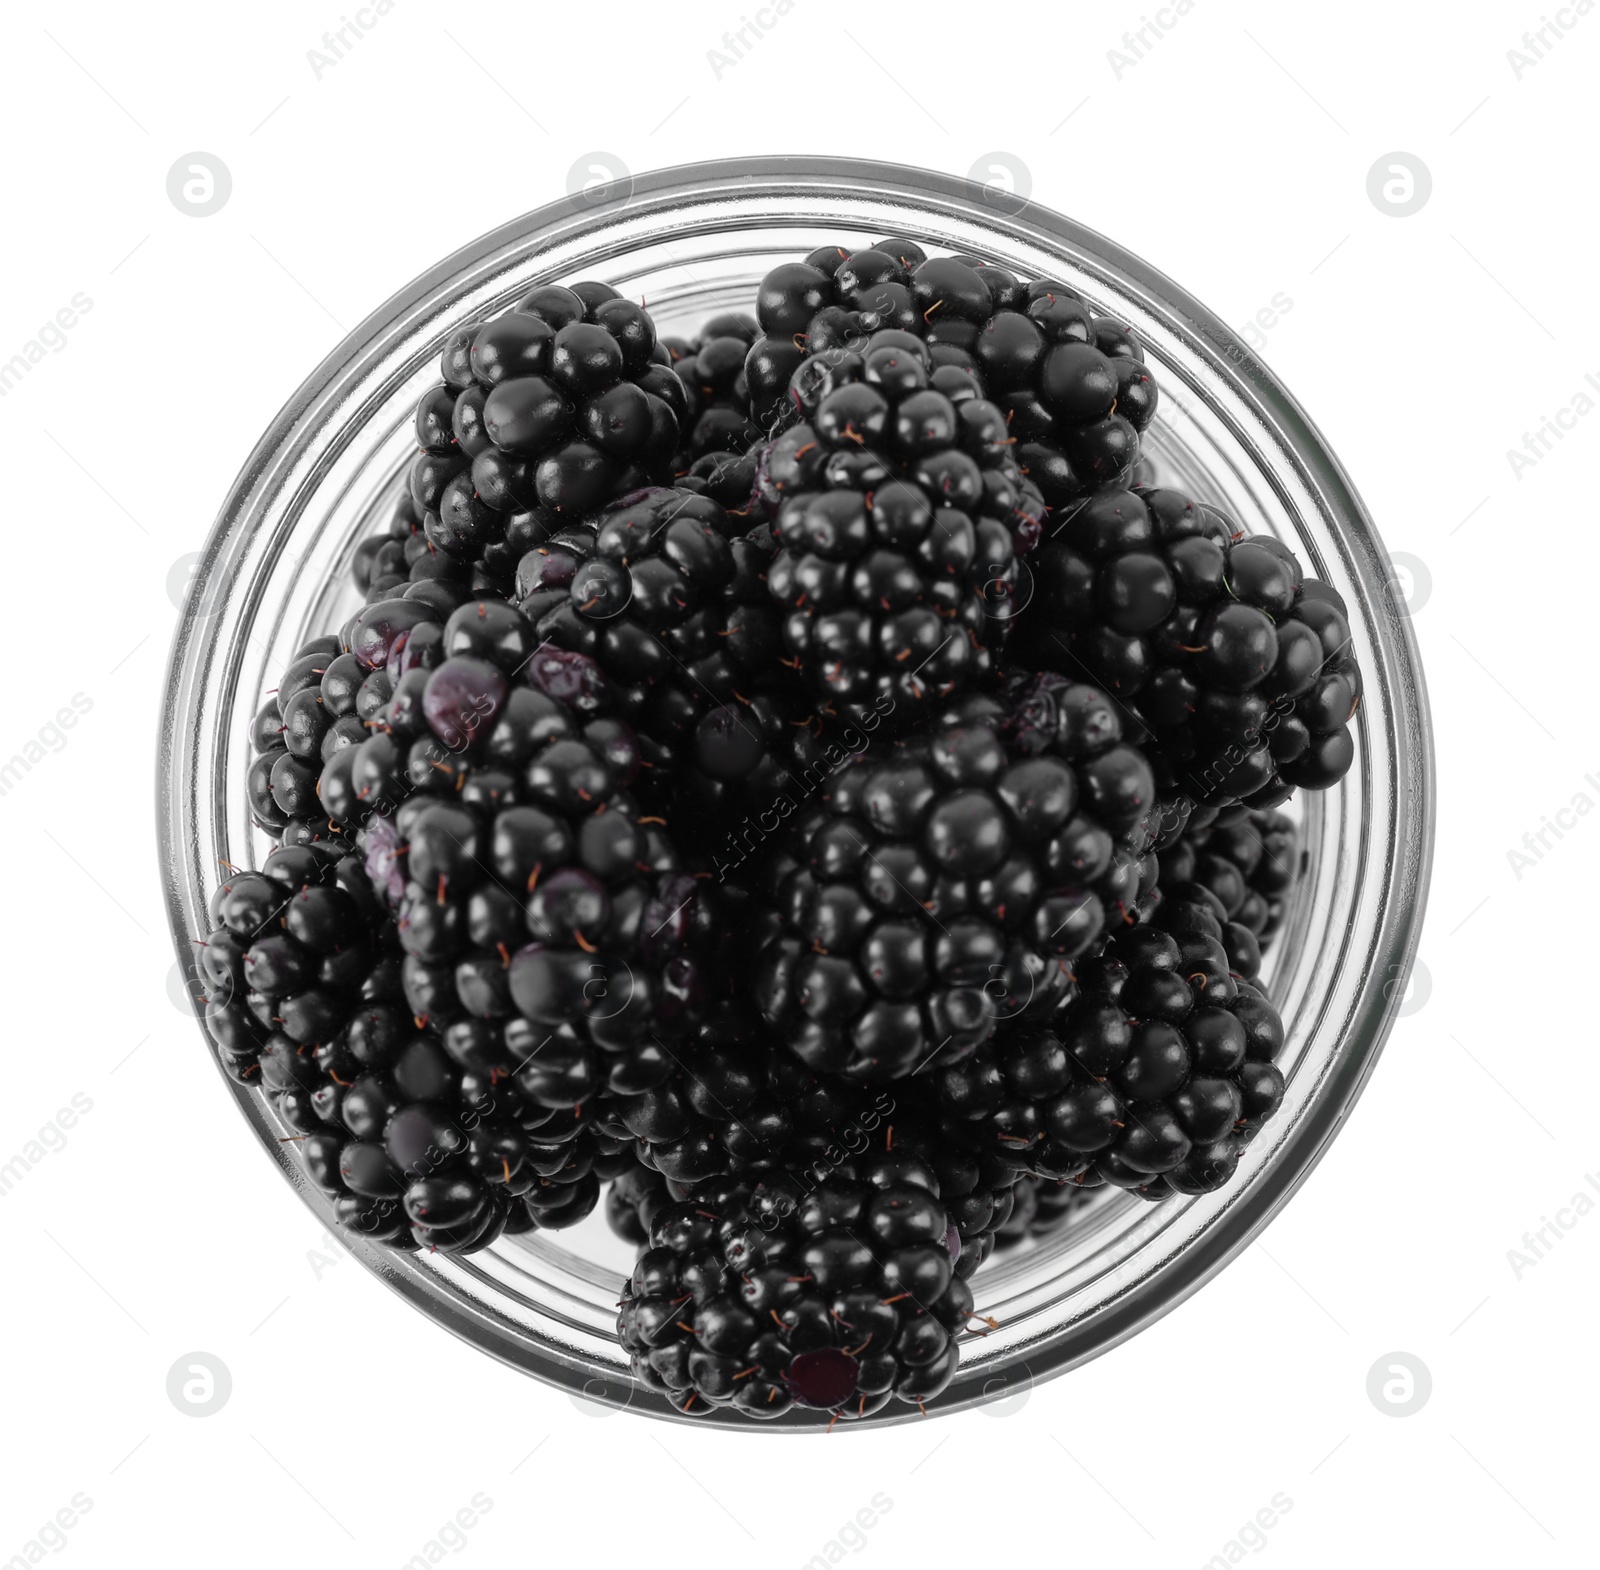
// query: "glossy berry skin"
[[766, 1292], [1153, 1079], [1072, 386], [1236, 667], [553, 408], [947, 883], [898, 512]]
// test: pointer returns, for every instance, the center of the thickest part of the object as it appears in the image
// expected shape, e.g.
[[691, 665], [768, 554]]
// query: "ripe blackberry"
[[553, 408], [427, 1130], [946, 882], [293, 735], [1041, 1207], [898, 508], [759, 1294], [403, 563], [667, 592], [527, 881], [976, 1190], [296, 948], [716, 394], [1227, 880], [1073, 387], [1237, 668], [1154, 1079], [1249, 857], [634, 1198]]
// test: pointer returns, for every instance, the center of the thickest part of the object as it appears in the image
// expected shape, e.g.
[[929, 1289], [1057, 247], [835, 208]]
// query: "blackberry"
[[403, 563], [634, 1198], [759, 1294], [1237, 669], [1073, 387], [716, 394], [1153, 1079], [295, 949], [949, 881], [898, 502], [1249, 857], [293, 735], [529, 886], [547, 411], [425, 1130], [1227, 880], [976, 1190], [667, 592], [1041, 1207]]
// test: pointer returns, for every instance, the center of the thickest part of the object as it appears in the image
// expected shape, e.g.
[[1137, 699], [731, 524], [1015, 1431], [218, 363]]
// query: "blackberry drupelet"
[[946, 882], [717, 396], [760, 1293], [1153, 1079], [898, 507], [1073, 387], [1237, 669], [545, 412]]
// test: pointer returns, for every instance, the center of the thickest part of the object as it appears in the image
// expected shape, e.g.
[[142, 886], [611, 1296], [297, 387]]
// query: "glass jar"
[[692, 241]]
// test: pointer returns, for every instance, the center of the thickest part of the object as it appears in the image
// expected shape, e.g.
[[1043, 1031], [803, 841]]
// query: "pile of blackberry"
[[797, 792]]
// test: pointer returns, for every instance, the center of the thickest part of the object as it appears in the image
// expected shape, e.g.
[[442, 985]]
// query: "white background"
[[1234, 156]]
